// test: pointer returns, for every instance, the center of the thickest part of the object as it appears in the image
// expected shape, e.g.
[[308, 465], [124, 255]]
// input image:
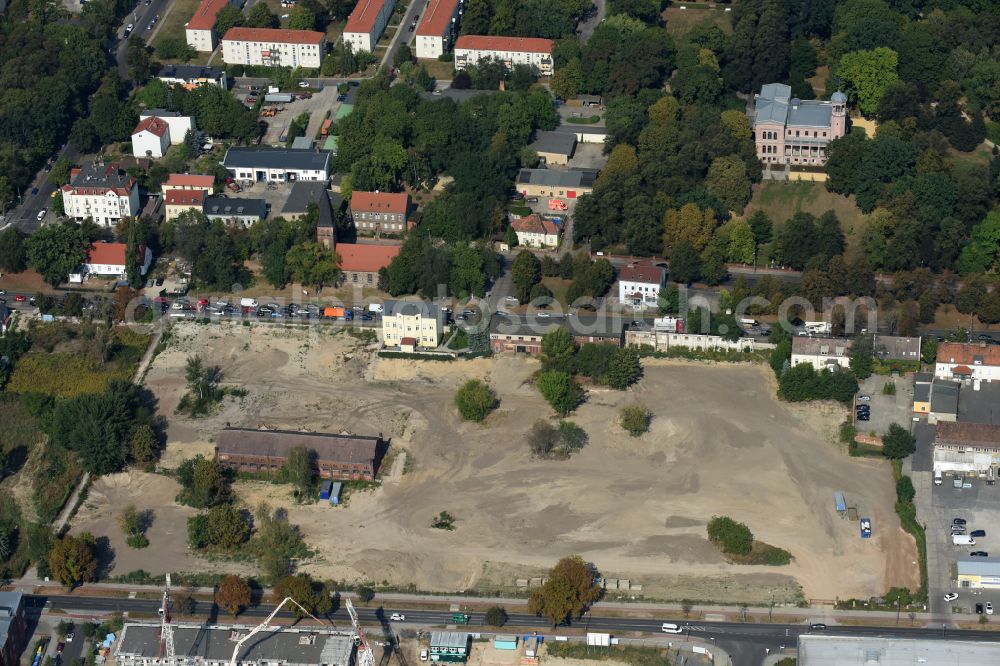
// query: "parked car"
[[19, 298], [303, 84], [34, 191], [341, 98], [41, 213], [70, 636], [397, 617], [864, 398], [819, 626], [423, 655], [989, 608], [959, 521], [670, 628], [951, 596], [864, 417], [979, 553], [128, 29], [977, 533], [979, 609]]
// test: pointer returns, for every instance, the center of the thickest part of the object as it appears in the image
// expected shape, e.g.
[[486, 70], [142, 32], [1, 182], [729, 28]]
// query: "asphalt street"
[[746, 642]]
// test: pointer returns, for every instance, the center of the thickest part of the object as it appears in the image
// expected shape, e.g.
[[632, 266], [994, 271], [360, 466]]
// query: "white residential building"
[[273, 47], [277, 165], [365, 24], [968, 361], [437, 29], [639, 284], [179, 125], [821, 353], [101, 192], [535, 231], [151, 137], [967, 448], [411, 324], [109, 259], [200, 30], [534, 51]]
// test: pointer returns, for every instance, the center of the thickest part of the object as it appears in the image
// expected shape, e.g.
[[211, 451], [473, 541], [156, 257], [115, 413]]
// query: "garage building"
[[843, 650], [967, 448], [555, 147], [552, 183], [979, 573]]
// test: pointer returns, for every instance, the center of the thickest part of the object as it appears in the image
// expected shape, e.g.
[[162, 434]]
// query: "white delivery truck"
[[248, 302], [962, 540]]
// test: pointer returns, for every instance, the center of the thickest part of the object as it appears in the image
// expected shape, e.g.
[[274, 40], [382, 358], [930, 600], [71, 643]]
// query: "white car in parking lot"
[[951, 596]]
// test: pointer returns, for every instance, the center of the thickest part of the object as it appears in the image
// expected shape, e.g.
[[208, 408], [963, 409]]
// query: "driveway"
[[886, 409]]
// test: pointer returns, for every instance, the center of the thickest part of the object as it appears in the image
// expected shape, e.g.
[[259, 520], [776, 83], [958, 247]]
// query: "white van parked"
[[375, 307], [670, 628], [248, 302], [962, 540], [937, 477]]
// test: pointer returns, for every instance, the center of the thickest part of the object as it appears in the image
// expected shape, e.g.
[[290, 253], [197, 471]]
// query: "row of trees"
[[423, 265]]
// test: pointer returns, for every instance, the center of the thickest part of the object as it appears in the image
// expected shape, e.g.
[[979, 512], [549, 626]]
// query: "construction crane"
[[366, 657], [166, 655], [264, 625]]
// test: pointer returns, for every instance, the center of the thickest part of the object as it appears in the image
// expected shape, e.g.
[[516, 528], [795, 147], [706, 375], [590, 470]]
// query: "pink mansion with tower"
[[792, 131]]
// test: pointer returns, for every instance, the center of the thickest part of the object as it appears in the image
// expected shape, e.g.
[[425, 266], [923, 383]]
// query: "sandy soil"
[[720, 444]]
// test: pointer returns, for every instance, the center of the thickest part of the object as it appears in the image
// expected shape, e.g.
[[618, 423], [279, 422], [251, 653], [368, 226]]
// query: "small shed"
[[838, 498], [335, 493], [531, 645], [324, 489], [505, 642]]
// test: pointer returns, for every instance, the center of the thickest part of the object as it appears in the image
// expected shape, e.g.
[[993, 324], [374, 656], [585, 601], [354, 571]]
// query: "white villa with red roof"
[[102, 192], [533, 51], [639, 283], [189, 181], [535, 231], [365, 24], [966, 361], [273, 47], [151, 137], [200, 30], [437, 29], [109, 259]]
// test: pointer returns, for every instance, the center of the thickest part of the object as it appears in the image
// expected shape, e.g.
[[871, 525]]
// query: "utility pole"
[[770, 609]]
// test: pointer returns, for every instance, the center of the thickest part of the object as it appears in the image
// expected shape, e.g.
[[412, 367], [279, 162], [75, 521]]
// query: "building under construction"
[[201, 645]]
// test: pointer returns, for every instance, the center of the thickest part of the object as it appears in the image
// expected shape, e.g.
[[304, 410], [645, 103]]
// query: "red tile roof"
[[967, 353], [274, 35], [204, 17], [362, 19], [184, 197], [516, 44], [408, 341], [949, 432], [176, 180], [365, 258], [107, 253], [380, 202], [152, 124], [641, 271], [535, 224], [961, 370], [437, 18]]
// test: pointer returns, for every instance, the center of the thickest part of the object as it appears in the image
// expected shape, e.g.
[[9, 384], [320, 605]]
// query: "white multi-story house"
[[279, 165], [151, 137], [101, 192], [411, 324], [535, 231], [179, 125], [534, 51], [109, 259], [273, 47], [639, 284], [366, 23], [437, 30], [200, 30], [822, 353], [968, 361]]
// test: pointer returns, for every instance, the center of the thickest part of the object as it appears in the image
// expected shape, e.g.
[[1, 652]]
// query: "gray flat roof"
[[231, 207], [818, 650], [449, 639], [555, 178], [429, 309], [215, 643], [189, 72], [921, 392], [10, 603], [776, 104], [304, 192], [897, 347], [979, 566], [527, 325], [277, 158], [944, 397], [558, 143]]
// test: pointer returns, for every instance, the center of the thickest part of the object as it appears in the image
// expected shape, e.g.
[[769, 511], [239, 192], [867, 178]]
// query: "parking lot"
[[322, 99], [885, 409]]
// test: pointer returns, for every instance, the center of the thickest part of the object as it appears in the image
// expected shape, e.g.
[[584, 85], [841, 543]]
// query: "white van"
[[670, 628], [962, 540], [375, 307], [749, 322], [937, 477], [248, 302]]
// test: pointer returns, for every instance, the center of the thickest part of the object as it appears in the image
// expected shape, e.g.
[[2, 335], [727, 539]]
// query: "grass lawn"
[[981, 155], [681, 21], [173, 23], [589, 120], [439, 71], [780, 200], [558, 287]]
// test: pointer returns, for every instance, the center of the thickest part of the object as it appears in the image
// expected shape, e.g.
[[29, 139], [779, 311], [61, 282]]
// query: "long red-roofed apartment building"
[[366, 23], [200, 30], [273, 47], [437, 29], [534, 51]]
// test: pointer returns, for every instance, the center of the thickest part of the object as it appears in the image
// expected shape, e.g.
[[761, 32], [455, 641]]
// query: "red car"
[[20, 299]]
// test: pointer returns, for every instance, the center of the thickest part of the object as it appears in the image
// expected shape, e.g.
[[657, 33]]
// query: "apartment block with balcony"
[[102, 192], [273, 47], [511, 51]]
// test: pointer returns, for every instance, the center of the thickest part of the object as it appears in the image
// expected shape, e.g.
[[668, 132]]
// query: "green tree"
[[260, 16], [897, 442], [928, 350], [475, 400], [226, 527], [301, 18], [144, 446], [862, 357], [315, 598], [72, 561], [203, 482], [55, 251], [625, 369], [510, 237], [13, 252], [867, 75], [526, 272], [496, 616], [905, 492], [669, 300], [558, 347], [366, 593], [742, 246], [133, 255], [233, 594], [734, 538], [635, 419], [300, 469], [567, 80], [560, 390], [685, 264], [228, 17], [570, 589], [313, 264], [137, 59], [980, 254], [97, 426], [728, 182]]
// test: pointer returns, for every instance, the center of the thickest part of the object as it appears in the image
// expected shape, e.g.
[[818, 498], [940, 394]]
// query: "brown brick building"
[[336, 456]]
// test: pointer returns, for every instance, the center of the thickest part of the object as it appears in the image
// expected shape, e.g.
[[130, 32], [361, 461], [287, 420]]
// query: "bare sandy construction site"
[[720, 444]]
